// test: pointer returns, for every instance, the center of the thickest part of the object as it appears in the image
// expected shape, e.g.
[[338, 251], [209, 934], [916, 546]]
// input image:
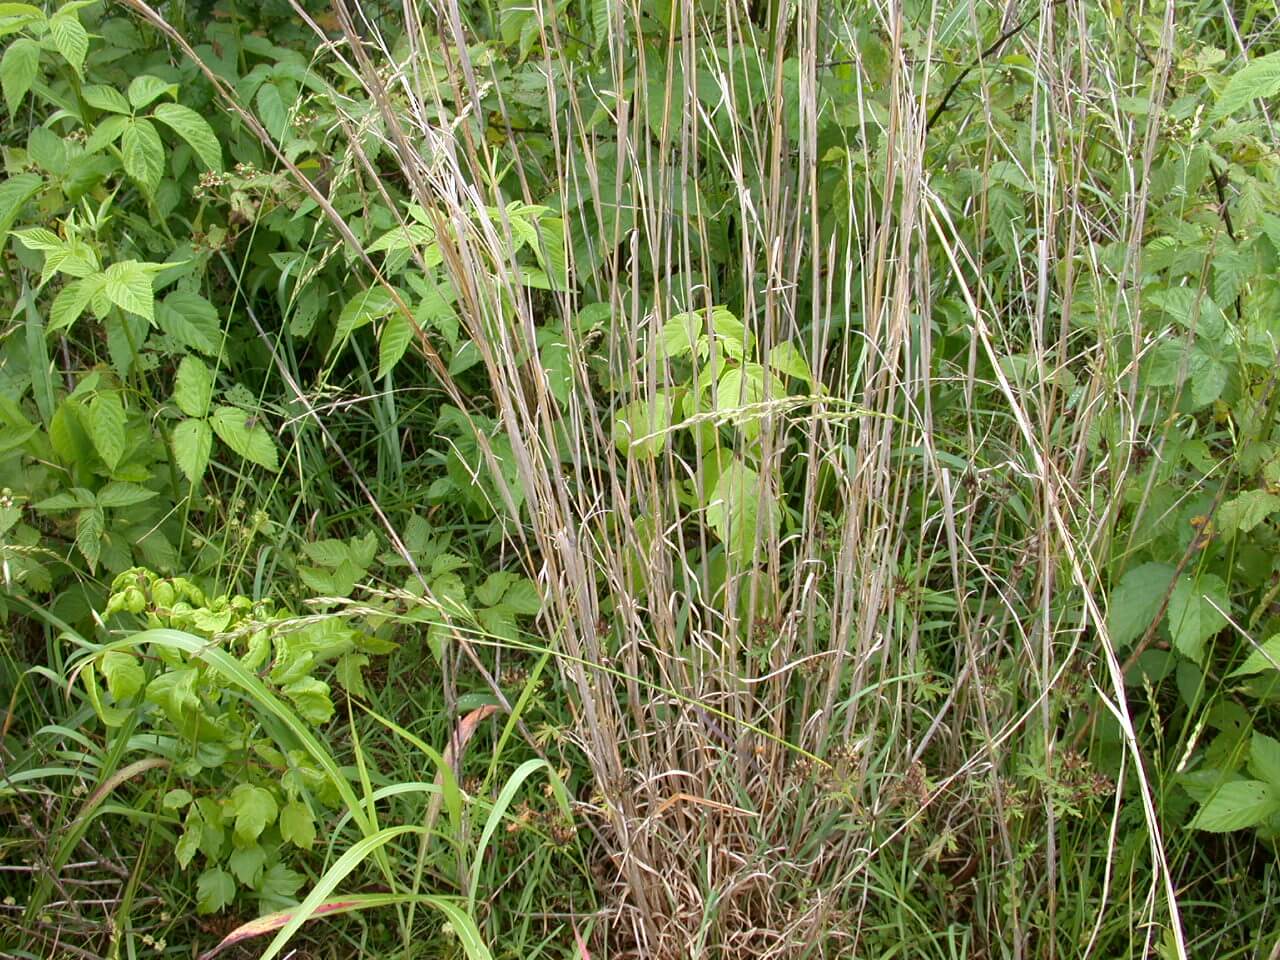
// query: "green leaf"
[[18, 16], [76, 498], [680, 334], [193, 387], [397, 333], [522, 598], [189, 842], [14, 194], [191, 320], [243, 434], [1194, 613], [247, 863], [1245, 511], [70, 39], [255, 809], [1264, 759], [105, 98], [124, 675], [1258, 78], [69, 304], [214, 890], [90, 526], [41, 239], [106, 133], [642, 428], [192, 444], [19, 68], [1136, 600], [177, 798], [1265, 657], [143, 153], [120, 494], [194, 129], [146, 88], [1235, 806], [106, 427], [128, 284], [742, 512], [365, 307], [786, 360], [272, 111], [297, 825]]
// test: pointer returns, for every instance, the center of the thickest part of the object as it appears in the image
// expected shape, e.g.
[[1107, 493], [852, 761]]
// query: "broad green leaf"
[[742, 512], [105, 98], [191, 320], [522, 597], [14, 193], [18, 70], [1193, 615], [214, 890], [107, 132], [124, 675], [786, 360], [121, 494], [144, 89], [194, 129], [247, 863], [193, 387], [642, 428], [143, 153], [106, 427], [297, 825], [69, 38], [1259, 78], [128, 284], [255, 810], [362, 309], [1136, 600], [18, 16], [245, 435], [1244, 512], [192, 444], [401, 238], [396, 336], [1265, 657], [69, 304], [1235, 806], [277, 887], [730, 332], [681, 333], [41, 239], [1264, 759], [74, 499], [272, 111], [177, 798]]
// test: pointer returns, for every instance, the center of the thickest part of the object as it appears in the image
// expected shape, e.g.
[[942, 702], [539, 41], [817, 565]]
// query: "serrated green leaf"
[[642, 428], [215, 889], [1264, 759], [128, 284], [243, 434], [362, 309], [143, 153], [90, 526], [191, 320], [1136, 600], [1245, 511], [742, 512], [1235, 806], [193, 387], [14, 193], [1194, 613], [176, 799], [40, 238], [786, 360], [1265, 657], [1258, 78], [120, 494], [74, 499], [146, 88], [105, 98], [681, 333], [397, 333], [68, 306], [69, 38], [19, 68], [192, 444], [106, 427], [194, 129], [107, 132], [272, 111]]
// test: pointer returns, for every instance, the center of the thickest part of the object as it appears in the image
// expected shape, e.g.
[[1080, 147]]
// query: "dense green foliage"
[[705, 479]]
